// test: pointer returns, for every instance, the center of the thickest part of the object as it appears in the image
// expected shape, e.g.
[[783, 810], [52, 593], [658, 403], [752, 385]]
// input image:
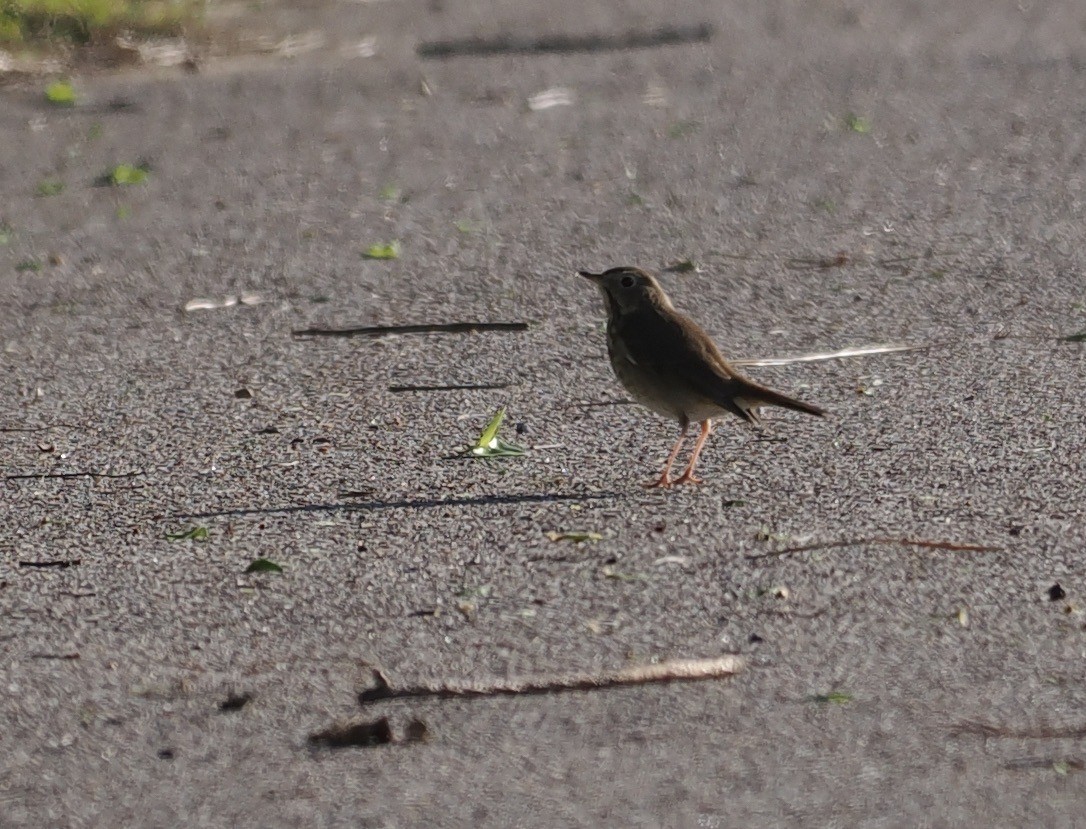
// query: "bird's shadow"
[[406, 503]]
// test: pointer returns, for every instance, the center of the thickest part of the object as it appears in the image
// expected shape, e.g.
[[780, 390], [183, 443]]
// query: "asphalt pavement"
[[818, 176]]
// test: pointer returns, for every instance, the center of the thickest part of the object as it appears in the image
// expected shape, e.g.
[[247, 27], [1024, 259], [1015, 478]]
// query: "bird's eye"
[[628, 281]]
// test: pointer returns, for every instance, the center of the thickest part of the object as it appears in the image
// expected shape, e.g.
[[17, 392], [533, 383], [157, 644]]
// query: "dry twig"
[[675, 670], [982, 729], [564, 44], [889, 542], [422, 328]]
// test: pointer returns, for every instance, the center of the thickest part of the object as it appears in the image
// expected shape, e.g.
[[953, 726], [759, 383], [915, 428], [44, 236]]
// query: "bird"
[[669, 364]]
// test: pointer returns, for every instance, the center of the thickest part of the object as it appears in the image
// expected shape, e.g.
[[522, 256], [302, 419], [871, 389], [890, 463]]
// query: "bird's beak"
[[590, 275]]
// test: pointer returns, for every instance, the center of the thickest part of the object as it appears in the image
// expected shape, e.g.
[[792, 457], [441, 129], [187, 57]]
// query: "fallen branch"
[[423, 328], [676, 670], [889, 542], [858, 351]]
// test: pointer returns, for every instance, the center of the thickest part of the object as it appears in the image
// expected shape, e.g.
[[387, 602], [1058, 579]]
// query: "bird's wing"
[[660, 344], [668, 345]]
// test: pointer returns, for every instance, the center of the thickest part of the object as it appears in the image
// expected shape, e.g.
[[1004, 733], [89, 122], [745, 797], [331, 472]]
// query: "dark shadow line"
[[422, 328], [598, 404], [109, 107], [6, 429], [27, 476], [418, 503], [59, 564], [563, 44]]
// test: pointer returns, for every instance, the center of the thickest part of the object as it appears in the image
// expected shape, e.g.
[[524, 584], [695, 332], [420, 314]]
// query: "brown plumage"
[[669, 364]]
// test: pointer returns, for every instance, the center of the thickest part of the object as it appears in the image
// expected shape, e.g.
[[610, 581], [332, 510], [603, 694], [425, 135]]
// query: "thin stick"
[[564, 44], [450, 387], [1027, 763], [987, 730], [858, 351], [59, 564], [6, 429], [676, 670], [423, 328], [890, 542]]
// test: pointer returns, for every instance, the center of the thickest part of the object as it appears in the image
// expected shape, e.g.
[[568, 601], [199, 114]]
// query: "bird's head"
[[628, 289]]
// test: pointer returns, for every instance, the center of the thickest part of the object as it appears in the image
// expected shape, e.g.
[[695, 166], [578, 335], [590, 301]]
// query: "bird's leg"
[[665, 479], [688, 476]]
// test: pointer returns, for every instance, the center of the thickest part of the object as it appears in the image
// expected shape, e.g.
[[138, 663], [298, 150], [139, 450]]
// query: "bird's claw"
[[688, 478]]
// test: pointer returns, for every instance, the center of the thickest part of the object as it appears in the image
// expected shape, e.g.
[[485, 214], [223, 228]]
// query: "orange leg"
[[665, 479], [688, 476]]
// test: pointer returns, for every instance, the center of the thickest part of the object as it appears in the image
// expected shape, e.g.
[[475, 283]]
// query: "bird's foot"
[[687, 478]]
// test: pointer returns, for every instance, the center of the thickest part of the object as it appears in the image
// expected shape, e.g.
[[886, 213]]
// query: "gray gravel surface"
[[952, 216]]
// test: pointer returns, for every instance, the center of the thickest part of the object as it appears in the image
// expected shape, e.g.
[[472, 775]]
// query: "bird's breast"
[[655, 384]]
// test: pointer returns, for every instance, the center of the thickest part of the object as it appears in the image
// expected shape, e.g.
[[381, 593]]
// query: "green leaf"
[[834, 697], [125, 174], [390, 192], [191, 534], [6, 233], [389, 250], [51, 187], [28, 265], [491, 430], [489, 445], [60, 93], [467, 226], [123, 211], [857, 123], [575, 537], [263, 565]]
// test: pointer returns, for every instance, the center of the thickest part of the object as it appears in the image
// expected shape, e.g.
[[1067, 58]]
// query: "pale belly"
[[662, 392]]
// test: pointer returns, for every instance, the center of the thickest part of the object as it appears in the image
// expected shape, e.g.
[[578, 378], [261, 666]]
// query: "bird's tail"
[[752, 395]]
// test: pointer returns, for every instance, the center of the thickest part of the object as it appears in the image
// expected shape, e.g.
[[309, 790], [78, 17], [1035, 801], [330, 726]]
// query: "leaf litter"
[[489, 445]]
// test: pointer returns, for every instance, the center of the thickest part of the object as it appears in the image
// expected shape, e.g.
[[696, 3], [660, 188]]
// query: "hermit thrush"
[[669, 364]]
